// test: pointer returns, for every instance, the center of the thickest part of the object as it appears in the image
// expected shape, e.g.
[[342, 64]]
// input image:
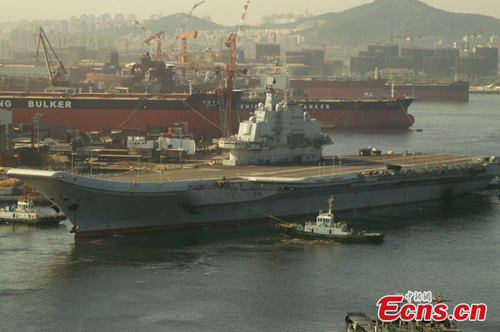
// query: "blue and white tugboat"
[[325, 228]]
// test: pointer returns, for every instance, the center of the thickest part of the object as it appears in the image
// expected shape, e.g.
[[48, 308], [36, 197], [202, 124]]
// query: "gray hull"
[[99, 207]]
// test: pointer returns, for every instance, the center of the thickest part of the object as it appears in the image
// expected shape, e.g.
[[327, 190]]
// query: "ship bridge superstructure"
[[276, 133]]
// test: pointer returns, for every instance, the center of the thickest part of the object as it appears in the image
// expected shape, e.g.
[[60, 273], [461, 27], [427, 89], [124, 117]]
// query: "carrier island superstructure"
[[276, 133], [219, 194]]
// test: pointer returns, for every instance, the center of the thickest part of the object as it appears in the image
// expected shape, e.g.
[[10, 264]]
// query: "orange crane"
[[183, 37], [159, 44], [231, 69], [170, 49], [157, 37], [181, 27], [225, 107]]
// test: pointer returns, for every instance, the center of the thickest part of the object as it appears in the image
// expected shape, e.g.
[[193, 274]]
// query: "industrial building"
[[265, 53], [435, 63]]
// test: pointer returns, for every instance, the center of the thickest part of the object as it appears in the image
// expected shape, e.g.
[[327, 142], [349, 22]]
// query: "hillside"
[[372, 22], [169, 24], [378, 20]]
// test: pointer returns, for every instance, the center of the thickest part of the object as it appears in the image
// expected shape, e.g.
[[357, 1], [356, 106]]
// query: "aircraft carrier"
[[216, 195]]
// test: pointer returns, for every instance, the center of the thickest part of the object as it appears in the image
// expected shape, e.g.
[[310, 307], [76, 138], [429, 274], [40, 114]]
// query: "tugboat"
[[325, 227], [495, 183], [360, 322], [26, 213]]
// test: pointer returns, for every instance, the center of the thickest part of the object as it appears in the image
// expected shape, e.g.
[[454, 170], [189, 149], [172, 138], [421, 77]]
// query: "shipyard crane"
[[181, 27], [183, 37], [159, 45], [157, 37], [492, 85], [57, 75], [144, 29], [231, 69]]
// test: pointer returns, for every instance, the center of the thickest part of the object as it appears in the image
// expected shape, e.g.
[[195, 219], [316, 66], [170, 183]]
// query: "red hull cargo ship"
[[353, 114], [335, 89], [201, 111], [456, 91], [96, 111], [381, 88]]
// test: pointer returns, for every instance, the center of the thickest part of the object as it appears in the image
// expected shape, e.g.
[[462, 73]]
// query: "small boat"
[[26, 213], [495, 183], [326, 228], [360, 322]]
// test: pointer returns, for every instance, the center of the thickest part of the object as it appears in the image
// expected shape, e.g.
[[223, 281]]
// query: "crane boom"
[[45, 54], [57, 76], [181, 27], [157, 38], [146, 30], [225, 106], [183, 37], [231, 69], [243, 20]]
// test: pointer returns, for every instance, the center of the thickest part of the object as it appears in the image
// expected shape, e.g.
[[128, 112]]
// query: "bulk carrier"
[[201, 111], [388, 113], [96, 111], [324, 88], [154, 98], [215, 195], [454, 91]]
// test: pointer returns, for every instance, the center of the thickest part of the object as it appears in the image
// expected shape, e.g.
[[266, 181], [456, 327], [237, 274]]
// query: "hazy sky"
[[222, 11]]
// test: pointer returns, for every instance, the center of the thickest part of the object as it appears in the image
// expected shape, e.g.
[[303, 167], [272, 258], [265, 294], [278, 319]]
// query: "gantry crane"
[[231, 69], [57, 75]]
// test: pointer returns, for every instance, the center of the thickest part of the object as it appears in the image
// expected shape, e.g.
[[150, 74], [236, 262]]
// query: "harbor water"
[[248, 278]]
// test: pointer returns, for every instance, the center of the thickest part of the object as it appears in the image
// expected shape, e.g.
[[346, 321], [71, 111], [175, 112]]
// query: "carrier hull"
[[100, 207]]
